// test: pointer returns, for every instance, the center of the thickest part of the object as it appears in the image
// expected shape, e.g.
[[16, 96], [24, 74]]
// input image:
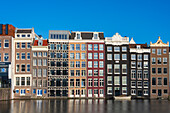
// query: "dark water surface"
[[85, 106]]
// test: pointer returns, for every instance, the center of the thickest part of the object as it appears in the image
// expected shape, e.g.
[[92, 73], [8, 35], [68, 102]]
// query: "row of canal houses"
[[81, 65]]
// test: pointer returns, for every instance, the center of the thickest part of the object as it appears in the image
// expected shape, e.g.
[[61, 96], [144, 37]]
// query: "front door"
[[117, 91], [159, 92]]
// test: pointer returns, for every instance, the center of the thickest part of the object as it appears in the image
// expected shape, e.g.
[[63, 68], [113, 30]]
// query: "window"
[[6, 57], [139, 57], [17, 81], [44, 72], [164, 51], [109, 90], [153, 70], [17, 56], [95, 72], [23, 45], [64, 47], [101, 47], [77, 82], [95, 64], [6, 43], [153, 81], [117, 69], [58, 47], [159, 70], [139, 64], [101, 64], [146, 65], [34, 72], [145, 74], [139, 73], [71, 82], [95, 55], [22, 67], [116, 56], [44, 54], [23, 81], [71, 72], [159, 60], [77, 55], [133, 84], [83, 47], [133, 64], [124, 90], [124, 80], [109, 68], [159, 81], [89, 64], [78, 35], [116, 49], [83, 64], [101, 56], [83, 72], [28, 56], [165, 70], [89, 55], [133, 57], [28, 45], [138, 47], [146, 57], [109, 80], [153, 51], [39, 62], [44, 62], [95, 47], [71, 55], [101, 82], [133, 92], [18, 45], [90, 82], [158, 51], [77, 72], [17, 67], [64, 55], [28, 67], [95, 82], [139, 84], [77, 47], [83, 55], [28, 81], [165, 91], [124, 56], [154, 91], [39, 72], [89, 47], [124, 49], [52, 46], [109, 49], [101, 73], [34, 54], [145, 84], [153, 60], [34, 62], [39, 54], [109, 56], [77, 64], [133, 74], [23, 56], [124, 69], [116, 80], [164, 60], [145, 92], [89, 72], [165, 81], [72, 64]]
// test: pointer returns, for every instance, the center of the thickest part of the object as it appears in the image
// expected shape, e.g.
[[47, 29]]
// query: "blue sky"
[[144, 20]]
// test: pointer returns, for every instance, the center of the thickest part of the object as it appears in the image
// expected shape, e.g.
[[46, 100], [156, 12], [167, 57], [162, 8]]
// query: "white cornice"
[[132, 50]]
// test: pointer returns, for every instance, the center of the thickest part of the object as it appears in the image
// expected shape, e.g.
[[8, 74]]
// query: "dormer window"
[[138, 46], [95, 36], [78, 35], [40, 42], [28, 35]]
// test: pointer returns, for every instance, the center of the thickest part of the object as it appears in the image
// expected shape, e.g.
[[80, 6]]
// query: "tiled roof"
[[45, 43]]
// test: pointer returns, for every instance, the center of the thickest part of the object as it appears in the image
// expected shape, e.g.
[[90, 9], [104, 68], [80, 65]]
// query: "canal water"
[[85, 106]]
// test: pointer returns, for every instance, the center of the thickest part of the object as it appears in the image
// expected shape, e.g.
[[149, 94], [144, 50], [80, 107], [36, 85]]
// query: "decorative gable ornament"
[[159, 43]]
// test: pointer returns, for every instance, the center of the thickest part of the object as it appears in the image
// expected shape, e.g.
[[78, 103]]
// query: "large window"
[[159, 81], [146, 57], [23, 56], [159, 60], [95, 47], [6, 43], [116, 69], [159, 70], [139, 57], [78, 47], [139, 64], [146, 65], [153, 51], [109, 56], [89, 72], [23, 45], [153, 81], [6, 57], [133, 64], [89, 64], [17, 56], [90, 82], [109, 68], [95, 82], [72, 47], [101, 82], [95, 64], [28, 67], [83, 64], [109, 80], [124, 49], [28, 56], [116, 49], [89, 47], [164, 60], [101, 56], [158, 51], [83, 55], [124, 56], [165, 70], [71, 55], [109, 49], [101, 47], [101, 64], [153, 70], [77, 64], [139, 72], [116, 56], [124, 69], [153, 60], [77, 55], [133, 74], [133, 57], [83, 47], [22, 67], [95, 55], [23, 81], [165, 81], [89, 55], [17, 81], [116, 80], [124, 80]]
